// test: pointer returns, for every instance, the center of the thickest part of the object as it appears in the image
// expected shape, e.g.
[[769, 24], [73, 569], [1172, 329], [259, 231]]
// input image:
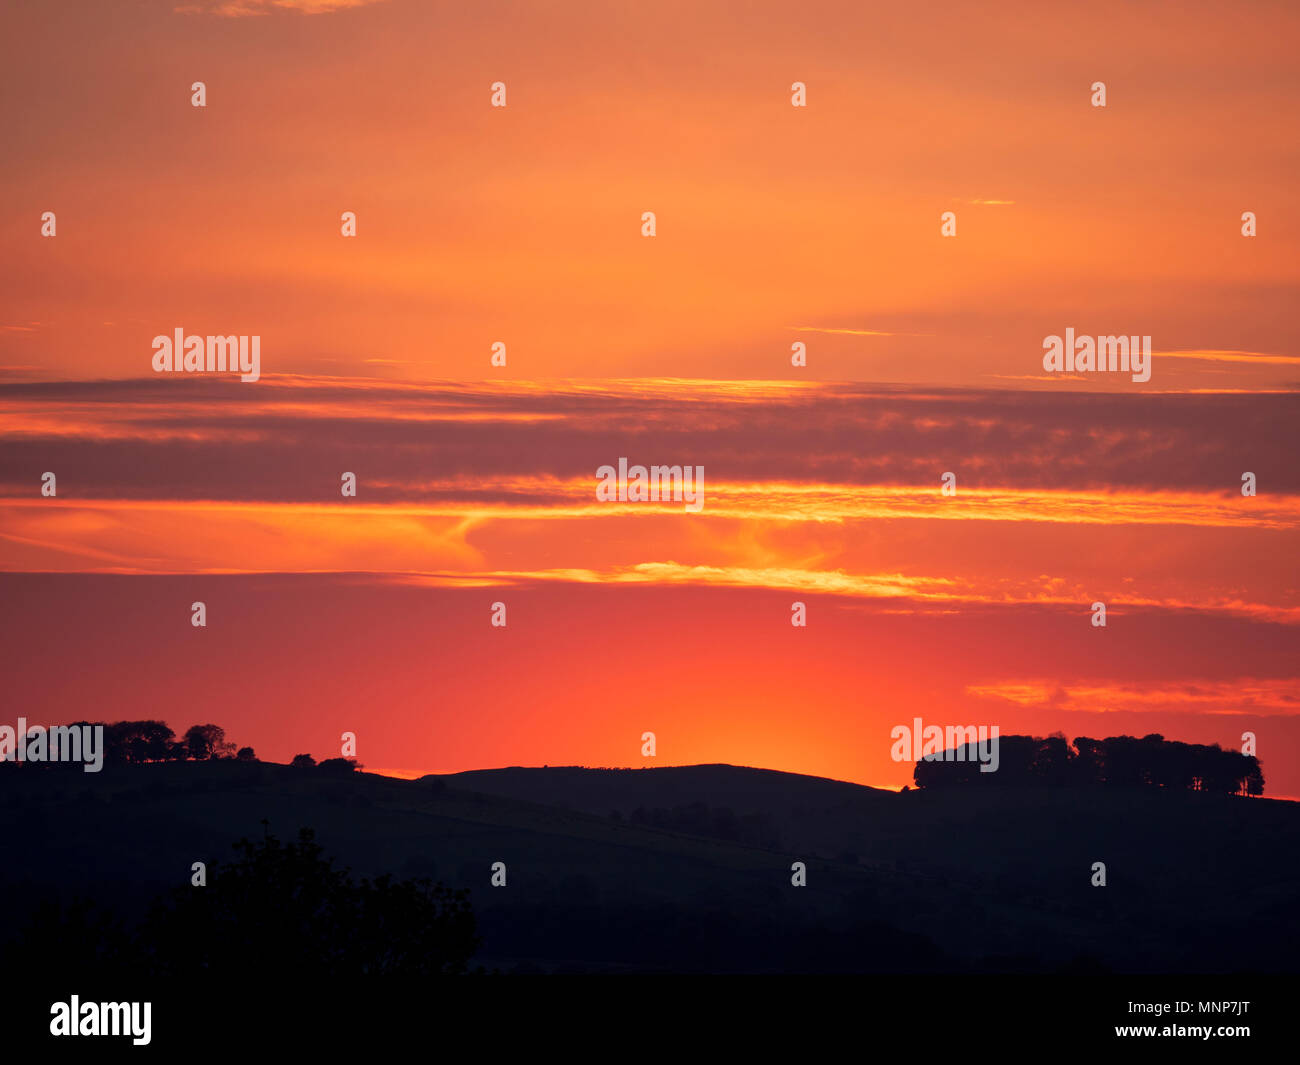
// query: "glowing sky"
[[776, 225]]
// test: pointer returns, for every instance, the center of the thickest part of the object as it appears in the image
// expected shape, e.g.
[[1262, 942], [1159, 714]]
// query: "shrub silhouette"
[[339, 766], [279, 912], [284, 910]]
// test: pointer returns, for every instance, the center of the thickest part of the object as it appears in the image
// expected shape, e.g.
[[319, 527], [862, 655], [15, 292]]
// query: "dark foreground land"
[[689, 869]]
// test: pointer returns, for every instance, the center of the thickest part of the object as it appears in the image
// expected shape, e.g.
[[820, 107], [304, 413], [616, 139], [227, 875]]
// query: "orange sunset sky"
[[775, 225]]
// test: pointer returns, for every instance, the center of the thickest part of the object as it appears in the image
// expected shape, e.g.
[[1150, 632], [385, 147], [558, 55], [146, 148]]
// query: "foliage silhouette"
[[1118, 761], [279, 912], [205, 742], [338, 766], [285, 909]]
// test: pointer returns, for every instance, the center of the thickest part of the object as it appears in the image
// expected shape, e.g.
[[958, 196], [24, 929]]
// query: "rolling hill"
[[987, 880]]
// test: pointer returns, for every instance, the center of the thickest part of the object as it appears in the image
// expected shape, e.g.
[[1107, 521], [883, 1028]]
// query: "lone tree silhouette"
[[204, 742]]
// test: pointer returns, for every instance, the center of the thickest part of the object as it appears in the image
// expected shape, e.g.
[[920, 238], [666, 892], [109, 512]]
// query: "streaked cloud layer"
[[777, 226], [196, 437], [829, 489]]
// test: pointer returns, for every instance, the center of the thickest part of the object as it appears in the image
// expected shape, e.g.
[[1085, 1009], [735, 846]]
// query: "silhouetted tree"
[[205, 742], [1118, 761], [339, 766], [284, 910], [1051, 760], [137, 741], [303, 761], [246, 754], [279, 911]]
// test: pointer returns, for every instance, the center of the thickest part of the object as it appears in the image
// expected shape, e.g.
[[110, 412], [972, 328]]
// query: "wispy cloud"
[[242, 8], [1231, 356], [474, 545], [852, 332], [1266, 697]]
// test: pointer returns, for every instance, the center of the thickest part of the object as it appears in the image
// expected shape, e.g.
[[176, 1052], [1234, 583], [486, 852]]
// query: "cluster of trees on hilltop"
[[136, 742], [331, 766], [133, 742], [1123, 761], [153, 741]]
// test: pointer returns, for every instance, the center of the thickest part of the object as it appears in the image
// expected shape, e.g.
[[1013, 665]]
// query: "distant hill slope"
[[953, 880], [737, 786], [786, 801], [1023, 838]]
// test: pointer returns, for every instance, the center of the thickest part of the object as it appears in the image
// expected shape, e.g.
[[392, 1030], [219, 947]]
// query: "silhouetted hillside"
[[940, 879], [757, 806]]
